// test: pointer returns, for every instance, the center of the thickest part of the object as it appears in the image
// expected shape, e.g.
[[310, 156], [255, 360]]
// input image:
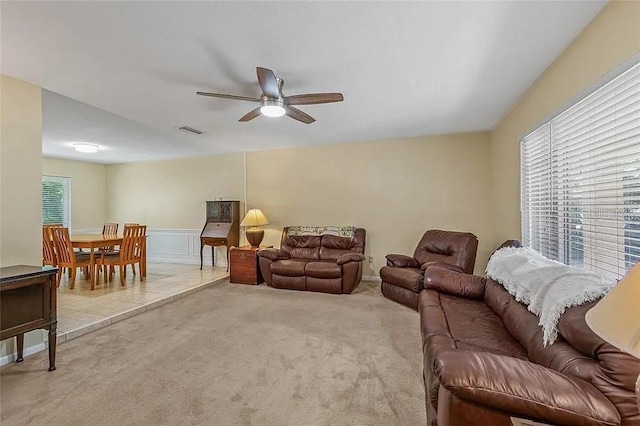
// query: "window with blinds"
[[56, 200], [581, 181]]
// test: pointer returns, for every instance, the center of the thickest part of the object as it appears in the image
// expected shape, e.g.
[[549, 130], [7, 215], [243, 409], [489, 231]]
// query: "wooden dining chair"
[[133, 267], [67, 257], [110, 229], [130, 253], [49, 257]]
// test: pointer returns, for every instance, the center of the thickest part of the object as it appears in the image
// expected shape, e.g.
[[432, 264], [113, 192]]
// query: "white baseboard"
[[27, 351], [371, 278]]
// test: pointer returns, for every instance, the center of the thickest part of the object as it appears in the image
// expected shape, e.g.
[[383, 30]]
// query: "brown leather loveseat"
[[325, 263], [484, 360]]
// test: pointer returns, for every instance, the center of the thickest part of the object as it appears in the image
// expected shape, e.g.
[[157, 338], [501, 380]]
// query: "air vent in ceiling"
[[191, 130]]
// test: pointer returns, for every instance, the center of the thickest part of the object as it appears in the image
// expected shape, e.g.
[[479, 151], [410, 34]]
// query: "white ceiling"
[[405, 68]]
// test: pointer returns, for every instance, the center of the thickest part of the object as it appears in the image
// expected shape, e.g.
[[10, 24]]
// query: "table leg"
[[143, 261], [92, 266], [201, 248], [20, 346], [213, 256], [52, 346]]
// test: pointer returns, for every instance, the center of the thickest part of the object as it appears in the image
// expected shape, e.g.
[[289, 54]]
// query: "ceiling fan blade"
[[314, 98], [268, 82], [234, 97], [250, 115], [296, 114]]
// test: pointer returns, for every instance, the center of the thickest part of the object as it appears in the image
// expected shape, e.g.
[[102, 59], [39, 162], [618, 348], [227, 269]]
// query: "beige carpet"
[[233, 355]]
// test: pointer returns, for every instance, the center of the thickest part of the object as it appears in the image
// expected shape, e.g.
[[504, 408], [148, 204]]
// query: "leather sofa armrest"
[[455, 283], [350, 257], [523, 389], [441, 265], [272, 254], [402, 261]]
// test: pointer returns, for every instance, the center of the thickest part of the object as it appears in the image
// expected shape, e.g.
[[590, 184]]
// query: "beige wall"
[[20, 165], [171, 194], [88, 190], [610, 39], [20, 171], [395, 190]]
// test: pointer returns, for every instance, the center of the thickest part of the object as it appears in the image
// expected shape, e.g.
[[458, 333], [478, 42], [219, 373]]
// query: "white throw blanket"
[[547, 287]]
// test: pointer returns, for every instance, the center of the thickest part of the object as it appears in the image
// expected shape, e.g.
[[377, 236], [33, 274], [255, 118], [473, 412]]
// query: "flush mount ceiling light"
[[272, 108], [88, 148]]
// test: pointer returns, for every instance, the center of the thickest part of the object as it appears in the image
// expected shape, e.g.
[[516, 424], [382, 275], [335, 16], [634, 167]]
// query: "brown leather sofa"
[[325, 263], [484, 360], [402, 277]]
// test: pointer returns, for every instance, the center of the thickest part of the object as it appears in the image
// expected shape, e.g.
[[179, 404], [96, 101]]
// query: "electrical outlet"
[[370, 259]]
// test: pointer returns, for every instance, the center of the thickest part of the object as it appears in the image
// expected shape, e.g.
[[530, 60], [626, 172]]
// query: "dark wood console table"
[[28, 301]]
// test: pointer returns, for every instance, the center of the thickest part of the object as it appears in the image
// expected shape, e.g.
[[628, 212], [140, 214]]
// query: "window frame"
[[66, 182], [557, 200]]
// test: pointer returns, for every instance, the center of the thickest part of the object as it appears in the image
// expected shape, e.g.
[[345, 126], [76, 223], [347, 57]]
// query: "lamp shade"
[[616, 318], [254, 217]]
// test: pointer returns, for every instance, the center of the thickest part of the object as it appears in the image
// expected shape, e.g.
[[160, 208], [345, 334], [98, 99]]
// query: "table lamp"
[[254, 218], [616, 317]]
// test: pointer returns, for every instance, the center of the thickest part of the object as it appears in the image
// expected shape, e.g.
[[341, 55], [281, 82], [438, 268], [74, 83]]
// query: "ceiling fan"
[[273, 103]]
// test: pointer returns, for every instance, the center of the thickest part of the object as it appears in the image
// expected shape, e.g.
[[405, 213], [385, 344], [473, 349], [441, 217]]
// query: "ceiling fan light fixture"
[[272, 108], [88, 148]]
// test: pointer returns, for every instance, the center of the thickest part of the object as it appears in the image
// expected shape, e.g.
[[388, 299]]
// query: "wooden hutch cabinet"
[[222, 227]]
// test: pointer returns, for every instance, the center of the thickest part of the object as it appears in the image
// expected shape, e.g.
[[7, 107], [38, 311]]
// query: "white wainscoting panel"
[[180, 246], [175, 246]]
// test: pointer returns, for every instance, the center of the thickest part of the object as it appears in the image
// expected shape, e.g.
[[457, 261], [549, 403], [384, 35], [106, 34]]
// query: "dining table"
[[92, 242]]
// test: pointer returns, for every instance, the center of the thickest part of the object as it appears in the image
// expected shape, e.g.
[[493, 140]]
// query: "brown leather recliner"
[[402, 277], [485, 362], [323, 263]]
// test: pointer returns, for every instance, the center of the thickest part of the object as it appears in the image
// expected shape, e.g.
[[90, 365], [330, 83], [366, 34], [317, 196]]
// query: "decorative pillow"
[[337, 231]]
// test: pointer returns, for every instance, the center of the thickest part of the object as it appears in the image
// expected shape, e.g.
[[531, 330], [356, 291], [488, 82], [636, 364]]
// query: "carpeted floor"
[[233, 355]]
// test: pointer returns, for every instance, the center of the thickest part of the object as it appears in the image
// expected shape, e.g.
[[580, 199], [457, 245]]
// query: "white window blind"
[[56, 200], [581, 181]]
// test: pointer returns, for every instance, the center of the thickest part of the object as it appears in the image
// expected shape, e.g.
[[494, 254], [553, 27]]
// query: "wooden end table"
[[243, 265]]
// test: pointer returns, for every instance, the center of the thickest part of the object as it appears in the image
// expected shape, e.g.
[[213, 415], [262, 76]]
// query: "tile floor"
[[83, 310]]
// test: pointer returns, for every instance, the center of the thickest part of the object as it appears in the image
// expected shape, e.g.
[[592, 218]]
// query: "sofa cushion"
[[324, 285], [289, 283], [523, 326], [450, 323], [523, 388], [289, 267], [454, 248], [340, 243], [614, 373], [472, 325], [332, 247], [400, 294], [323, 270], [303, 247], [408, 278]]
